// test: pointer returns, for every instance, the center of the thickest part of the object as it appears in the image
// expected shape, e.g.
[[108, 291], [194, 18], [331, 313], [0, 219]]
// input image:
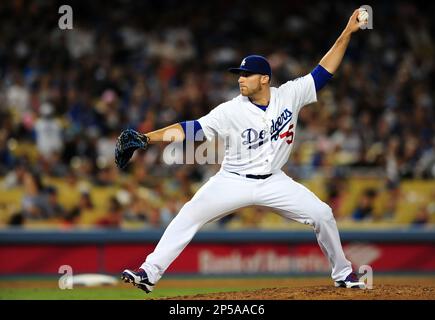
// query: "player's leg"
[[296, 202], [222, 194]]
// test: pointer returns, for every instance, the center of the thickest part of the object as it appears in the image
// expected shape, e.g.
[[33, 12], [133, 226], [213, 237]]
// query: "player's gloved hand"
[[128, 141]]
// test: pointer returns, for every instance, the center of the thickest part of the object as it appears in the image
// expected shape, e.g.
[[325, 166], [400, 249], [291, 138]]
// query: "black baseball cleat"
[[351, 281], [138, 278]]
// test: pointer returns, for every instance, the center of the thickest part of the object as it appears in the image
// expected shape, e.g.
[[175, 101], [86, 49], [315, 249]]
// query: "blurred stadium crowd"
[[65, 95]]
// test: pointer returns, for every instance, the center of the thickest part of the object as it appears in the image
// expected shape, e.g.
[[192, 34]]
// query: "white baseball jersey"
[[259, 142]]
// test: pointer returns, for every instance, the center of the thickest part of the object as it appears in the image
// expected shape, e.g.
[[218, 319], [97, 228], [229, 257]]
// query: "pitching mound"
[[380, 292]]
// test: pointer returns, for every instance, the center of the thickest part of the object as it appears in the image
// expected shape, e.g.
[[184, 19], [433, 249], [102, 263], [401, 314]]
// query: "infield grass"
[[47, 289], [99, 293]]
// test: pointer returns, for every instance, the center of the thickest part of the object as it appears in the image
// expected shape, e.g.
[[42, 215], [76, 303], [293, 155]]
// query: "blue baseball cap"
[[253, 64]]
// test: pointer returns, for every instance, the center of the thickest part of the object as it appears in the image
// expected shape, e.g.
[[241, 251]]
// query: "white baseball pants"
[[226, 192]]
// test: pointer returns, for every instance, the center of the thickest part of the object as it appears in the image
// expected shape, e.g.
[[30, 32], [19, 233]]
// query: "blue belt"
[[253, 176]]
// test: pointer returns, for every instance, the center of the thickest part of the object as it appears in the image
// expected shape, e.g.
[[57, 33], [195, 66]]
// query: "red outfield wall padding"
[[214, 258]]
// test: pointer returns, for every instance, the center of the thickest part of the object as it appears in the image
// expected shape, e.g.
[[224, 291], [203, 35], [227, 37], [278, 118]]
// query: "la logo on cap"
[[243, 63]]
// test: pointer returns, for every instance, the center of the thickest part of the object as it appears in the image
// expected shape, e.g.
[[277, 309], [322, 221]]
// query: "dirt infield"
[[385, 288], [382, 292]]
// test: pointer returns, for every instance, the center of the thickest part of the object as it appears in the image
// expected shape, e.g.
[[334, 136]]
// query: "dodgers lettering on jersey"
[[253, 139], [280, 123], [251, 136], [257, 141]]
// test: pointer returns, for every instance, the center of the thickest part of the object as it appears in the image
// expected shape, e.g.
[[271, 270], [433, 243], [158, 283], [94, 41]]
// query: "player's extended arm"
[[333, 58], [177, 132], [130, 140], [171, 133]]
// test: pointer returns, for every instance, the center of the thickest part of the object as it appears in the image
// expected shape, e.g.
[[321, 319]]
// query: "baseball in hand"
[[363, 16]]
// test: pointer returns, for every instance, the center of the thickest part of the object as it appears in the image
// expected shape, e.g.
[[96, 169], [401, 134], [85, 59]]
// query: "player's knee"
[[324, 213], [192, 207], [188, 208], [192, 211]]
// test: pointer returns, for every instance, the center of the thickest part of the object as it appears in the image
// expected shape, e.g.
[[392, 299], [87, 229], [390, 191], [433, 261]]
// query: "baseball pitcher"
[[258, 127]]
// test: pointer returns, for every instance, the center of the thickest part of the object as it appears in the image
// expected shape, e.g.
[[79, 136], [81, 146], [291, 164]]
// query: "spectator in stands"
[[153, 217], [18, 94], [34, 203], [346, 141], [336, 188], [7, 159], [53, 208], [421, 216], [15, 178], [49, 140], [136, 210], [365, 207], [425, 213], [113, 218], [48, 132], [71, 219], [85, 206], [85, 202], [393, 194], [168, 211]]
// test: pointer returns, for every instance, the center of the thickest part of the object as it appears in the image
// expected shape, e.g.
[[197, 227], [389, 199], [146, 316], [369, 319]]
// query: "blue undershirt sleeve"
[[321, 76], [190, 129]]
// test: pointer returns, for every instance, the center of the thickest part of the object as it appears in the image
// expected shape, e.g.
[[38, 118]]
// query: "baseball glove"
[[128, 141]]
